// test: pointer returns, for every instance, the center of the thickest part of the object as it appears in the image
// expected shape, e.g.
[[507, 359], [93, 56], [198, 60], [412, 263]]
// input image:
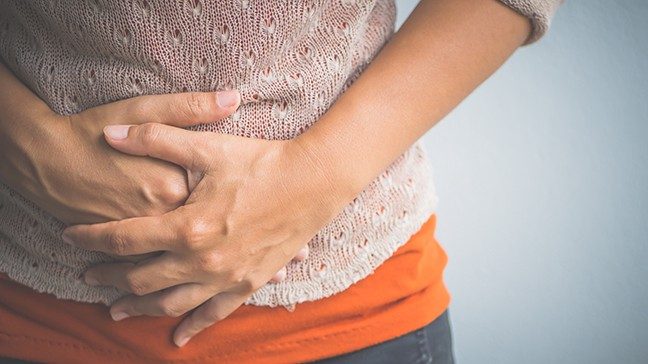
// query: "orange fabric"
[[403, 294]]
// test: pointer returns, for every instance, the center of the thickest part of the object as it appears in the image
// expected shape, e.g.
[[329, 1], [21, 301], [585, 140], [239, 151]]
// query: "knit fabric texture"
[[539, 12], [289, 59]]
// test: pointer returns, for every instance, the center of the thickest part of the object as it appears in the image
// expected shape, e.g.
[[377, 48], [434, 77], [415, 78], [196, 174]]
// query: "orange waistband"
[[403, 294]]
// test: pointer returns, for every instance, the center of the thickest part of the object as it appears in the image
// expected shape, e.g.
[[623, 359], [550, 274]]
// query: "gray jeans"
[[429, 344]]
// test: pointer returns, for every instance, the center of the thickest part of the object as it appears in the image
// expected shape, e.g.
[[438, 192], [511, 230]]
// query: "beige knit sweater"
[[290, 59]]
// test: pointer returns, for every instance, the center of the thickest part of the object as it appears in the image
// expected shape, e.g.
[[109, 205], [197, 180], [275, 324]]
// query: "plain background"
[[542, 175]]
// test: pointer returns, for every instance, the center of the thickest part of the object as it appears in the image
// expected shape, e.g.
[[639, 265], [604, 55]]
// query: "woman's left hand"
[[254, 204]]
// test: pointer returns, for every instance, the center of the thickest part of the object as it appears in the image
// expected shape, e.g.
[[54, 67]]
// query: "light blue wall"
[[543, 181]]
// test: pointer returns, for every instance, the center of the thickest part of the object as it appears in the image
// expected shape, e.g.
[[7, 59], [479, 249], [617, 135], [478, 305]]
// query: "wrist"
[[26, 146], [330, 166], [25, 123]]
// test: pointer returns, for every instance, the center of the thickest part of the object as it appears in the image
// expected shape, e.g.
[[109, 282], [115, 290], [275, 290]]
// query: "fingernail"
[[302, 254], [117, 132], [66, 238], [182, 341], [118, 316], [90, 280], [227, 99], [280, 275]]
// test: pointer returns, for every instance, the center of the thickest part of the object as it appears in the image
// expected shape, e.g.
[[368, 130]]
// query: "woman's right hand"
[[86, 180], [63, 164]]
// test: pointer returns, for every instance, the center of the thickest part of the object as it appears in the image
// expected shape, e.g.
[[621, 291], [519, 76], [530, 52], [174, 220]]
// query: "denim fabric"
[[429, 344], [13, 361]]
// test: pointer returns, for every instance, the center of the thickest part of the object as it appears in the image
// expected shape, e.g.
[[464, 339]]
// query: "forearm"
[[22, 119], [441, 54]]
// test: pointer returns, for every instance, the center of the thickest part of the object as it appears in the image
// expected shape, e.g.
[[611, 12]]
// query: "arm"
[[246, 217], [442, 52], [16, 137]]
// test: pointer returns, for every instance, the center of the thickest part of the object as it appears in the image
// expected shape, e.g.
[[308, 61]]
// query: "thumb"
[[180, 109], [169, 143]]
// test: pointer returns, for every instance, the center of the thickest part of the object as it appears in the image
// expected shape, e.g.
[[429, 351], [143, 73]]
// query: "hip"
[[429, 344]]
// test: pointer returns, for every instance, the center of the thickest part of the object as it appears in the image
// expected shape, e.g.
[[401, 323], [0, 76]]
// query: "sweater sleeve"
[[539, 13]]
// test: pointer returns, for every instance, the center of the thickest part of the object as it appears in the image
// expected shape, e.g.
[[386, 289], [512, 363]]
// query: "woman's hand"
[[63, 164], [255, 204]]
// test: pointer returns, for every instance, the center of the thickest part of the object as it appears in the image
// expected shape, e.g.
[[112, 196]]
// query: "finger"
[[279, 276], [139, 279], [210, 312], [165, 142], [302, 254], [172, 302], [131, 236], [180, 109]]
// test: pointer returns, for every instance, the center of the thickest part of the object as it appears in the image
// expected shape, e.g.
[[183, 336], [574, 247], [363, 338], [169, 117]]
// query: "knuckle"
[[135, 285], [163, 194], [171, 309], [199, 105], [149, 133], [218, 316], [195, 233], [214, 314], [172, 192], [117, 243]]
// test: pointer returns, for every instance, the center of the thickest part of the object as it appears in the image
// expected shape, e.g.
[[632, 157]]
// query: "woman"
[[247, 135]]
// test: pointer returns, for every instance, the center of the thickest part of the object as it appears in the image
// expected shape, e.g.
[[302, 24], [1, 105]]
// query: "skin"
[[67, 186], [244, 219]]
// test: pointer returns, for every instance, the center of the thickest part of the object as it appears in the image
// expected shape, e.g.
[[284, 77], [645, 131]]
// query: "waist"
[[403, 294], [366, 233]]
